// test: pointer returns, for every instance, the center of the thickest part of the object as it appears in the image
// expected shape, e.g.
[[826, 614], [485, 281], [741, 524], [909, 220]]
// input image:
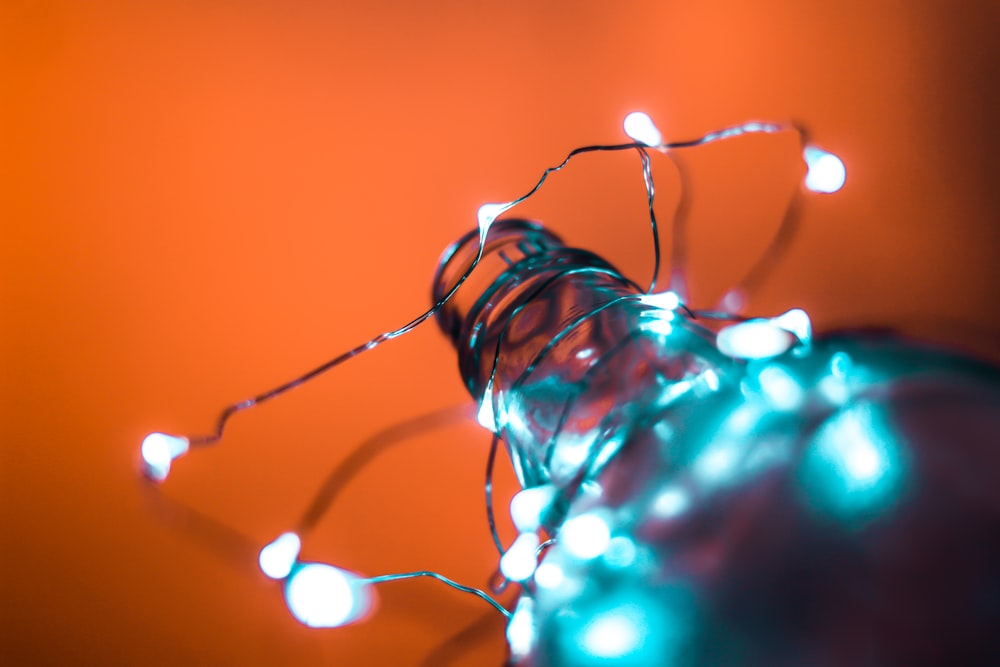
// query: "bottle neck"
[[563, 349]]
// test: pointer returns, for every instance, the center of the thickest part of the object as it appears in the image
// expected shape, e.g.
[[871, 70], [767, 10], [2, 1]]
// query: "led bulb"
[[518, 563], [159, 450], [585, 536], [640, 127], [487, 215], [278, 558], [670, 502], [827, 172], [528, 507], [521, 629], [711, 379], [549, 574], [797, 321], [485, 416], [664, 300], [662, 326], [781, 389], [754, 339], [323, 596]]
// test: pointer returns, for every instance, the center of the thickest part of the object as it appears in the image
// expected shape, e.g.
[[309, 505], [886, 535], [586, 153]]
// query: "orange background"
[[202, 199]]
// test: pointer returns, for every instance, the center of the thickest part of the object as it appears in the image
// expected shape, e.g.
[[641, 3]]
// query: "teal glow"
[[853, 468], [670, 502], [521, 628], [711, 379], [549, 575], [621, 553], [742, 420], [834, 389], [629, 628], [570, 452], [585, 536], [718, 462], [615, 633], [835, 386], [840, 365], [660, 323], [782, 391]]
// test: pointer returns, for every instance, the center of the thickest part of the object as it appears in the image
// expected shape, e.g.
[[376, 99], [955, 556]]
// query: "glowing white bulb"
[[519, 562], [664, 300], [521, 628], [585, 536], [835, 386], [670, 502], [277, 558], [621, 552], [614, 634], [549, 575], [323, 596], [827, 172], [529, 506], [159, 450], [640, 127], [797, 321], [782, 390], [717, 463], [660, 325], [711, 379], [754, 339], [487, 215], [486, 417]]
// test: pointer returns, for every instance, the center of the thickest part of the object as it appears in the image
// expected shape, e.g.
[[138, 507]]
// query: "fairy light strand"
[[444, 580], [485, 222], [279, 559]]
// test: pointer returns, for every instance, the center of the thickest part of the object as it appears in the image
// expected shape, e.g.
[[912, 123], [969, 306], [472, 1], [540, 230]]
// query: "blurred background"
[[200, 200]]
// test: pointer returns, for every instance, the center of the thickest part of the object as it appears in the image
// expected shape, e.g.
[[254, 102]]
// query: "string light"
[[585, 536], [625, 413], [529, 506], [521, 629], [518, 563], [640, 127], [827, 172], [158, 452], [278, 558], [754, 339], [321, 595]]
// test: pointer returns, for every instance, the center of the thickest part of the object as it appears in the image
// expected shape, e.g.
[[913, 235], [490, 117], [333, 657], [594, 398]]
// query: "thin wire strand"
[[230, 410], [640, 148], [443, 579], [647, 178]]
